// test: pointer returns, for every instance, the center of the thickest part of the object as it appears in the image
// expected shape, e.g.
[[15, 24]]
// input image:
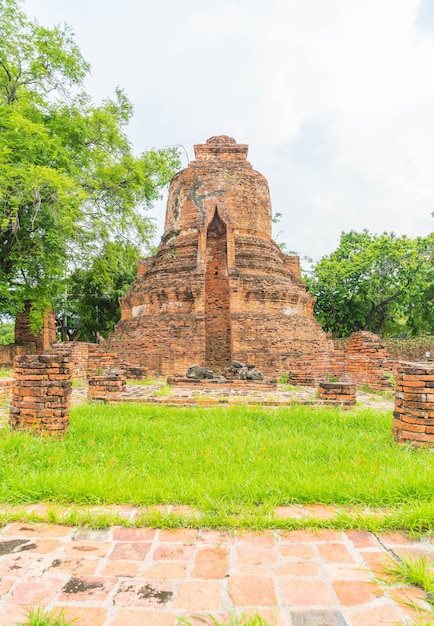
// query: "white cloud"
[[335, 98]]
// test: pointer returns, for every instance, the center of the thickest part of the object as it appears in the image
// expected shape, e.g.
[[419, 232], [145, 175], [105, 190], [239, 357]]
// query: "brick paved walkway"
[[148, 577]]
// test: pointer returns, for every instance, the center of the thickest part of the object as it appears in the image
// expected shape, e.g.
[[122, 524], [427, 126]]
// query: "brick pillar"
[[106, 387], [340, 393], [47, 336], [413, 418], [41, 394]]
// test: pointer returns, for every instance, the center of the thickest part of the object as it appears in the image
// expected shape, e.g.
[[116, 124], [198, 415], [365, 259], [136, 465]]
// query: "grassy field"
[[224, 461]]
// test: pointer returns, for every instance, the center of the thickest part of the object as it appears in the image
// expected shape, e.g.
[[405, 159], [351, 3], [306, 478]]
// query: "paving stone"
[[297, 550], [130, 550], [91, 548], [272, 616], [265, 539], [297, 568], [320, 511], [121, 568], [375, 560], [289, 512], [133, 534], [173, 552], [166, 570], [92, 535], [218, 538], [13, 613], [304, 592], [83, 616], [384, 615], [362, 539], [356, 593], [178, 535], [336, 571], [252, 591], [84, 588], [255, 555], [144, 593], [5, 585], [311, 536], [45, 546], [35, 591], [50, 531], [198, 596], [71, 565], [211, 563], [318, 618], [142, 617], [22, 565], [335, 552]]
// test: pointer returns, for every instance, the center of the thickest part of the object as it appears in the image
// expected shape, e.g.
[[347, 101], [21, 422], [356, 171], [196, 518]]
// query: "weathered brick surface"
[[341, 393], [413, 417], [367, 361], [252, 385], [218, 288], [41, 394], [12, 350], [106, 387], [78, 353], [24, 335]]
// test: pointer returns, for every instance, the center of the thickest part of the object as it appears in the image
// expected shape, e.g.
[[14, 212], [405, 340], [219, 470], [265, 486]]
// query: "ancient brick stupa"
[[218, 288]]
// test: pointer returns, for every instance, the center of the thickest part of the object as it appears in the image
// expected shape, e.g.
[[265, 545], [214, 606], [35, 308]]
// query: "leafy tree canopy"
[[69, 181], [90, 303], [382, 283]]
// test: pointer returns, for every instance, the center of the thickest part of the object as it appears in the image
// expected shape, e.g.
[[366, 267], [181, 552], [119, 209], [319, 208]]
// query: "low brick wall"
[[12, 350], [413, 417], [257, 385], [341, 393], [305, 378], [41, 394], [6, 385], [135, 372], [78, 352], [107, 387]]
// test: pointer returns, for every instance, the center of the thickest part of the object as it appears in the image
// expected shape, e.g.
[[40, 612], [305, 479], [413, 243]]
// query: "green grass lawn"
[[222, 460]]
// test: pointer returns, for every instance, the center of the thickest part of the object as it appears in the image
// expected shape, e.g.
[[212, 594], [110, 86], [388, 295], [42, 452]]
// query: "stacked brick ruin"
[[340, 393], [88, 359], [25, 341], [364, 360], [107, 387], [24, 335], [219, 289], [41, 394], [413, 421]]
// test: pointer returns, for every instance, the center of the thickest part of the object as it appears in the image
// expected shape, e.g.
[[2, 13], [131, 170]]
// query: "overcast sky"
[[334, 97]]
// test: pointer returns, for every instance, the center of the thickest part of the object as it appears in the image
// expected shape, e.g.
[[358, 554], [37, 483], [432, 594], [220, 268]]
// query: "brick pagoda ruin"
[[219, 288]]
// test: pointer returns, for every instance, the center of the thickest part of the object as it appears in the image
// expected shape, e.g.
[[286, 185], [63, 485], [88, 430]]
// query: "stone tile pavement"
[[151, 577]]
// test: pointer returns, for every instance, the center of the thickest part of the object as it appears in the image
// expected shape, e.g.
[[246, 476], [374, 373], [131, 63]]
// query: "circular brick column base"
[[413, 417]]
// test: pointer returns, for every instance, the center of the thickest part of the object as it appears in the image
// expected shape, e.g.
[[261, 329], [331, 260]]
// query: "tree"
[[69, 181], [91, 301], [375, 282]]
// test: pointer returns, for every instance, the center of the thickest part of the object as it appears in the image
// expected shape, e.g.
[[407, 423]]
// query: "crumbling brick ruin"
[[25, 342], [413, 421], [219, 288], [41, 394]]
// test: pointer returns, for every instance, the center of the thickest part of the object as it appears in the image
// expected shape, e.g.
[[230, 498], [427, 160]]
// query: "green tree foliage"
[[7, 332], [91, 302], [382, 283], [69, 181]]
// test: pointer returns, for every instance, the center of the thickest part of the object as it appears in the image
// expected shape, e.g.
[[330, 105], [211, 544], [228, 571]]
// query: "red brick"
[[252, 591]]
